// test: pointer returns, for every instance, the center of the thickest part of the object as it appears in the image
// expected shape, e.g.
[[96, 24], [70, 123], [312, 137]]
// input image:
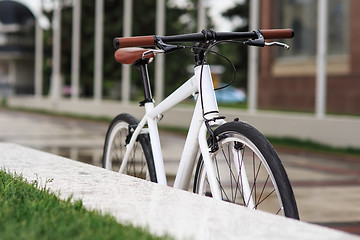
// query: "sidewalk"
[[337, 131]]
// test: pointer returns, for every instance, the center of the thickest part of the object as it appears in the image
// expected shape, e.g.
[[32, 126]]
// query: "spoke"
[[236, 191], [143, 164], [265, 198], [262, 191], [114, 150], [223, 190], [132, 162], [229, 164], [136, 164], [119, 148], [242, 184], [232, 175], [255, 175], [219, 180], [122, 145], [251, 191], [134, 158], [239, 176], [217, 168]]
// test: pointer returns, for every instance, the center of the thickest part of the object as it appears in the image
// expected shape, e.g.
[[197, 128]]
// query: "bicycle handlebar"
[[149, 41], [140, 41], [277, 33]]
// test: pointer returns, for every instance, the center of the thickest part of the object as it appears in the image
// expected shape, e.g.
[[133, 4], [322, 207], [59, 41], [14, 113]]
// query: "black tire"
[[242, 145], [140, 163]]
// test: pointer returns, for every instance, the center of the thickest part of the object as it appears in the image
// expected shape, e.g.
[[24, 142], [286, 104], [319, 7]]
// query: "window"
[[301, 15]]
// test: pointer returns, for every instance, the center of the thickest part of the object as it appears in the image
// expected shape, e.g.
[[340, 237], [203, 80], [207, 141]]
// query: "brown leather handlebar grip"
[[141, 41], [277, 33]]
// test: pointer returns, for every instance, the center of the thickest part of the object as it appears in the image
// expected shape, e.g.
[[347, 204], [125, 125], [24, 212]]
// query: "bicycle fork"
[[211, 118]]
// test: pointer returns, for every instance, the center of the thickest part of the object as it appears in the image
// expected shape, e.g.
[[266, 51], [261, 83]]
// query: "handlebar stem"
[[199, 52]]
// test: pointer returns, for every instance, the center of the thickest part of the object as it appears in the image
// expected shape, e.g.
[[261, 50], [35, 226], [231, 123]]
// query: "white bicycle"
[[235, 162]]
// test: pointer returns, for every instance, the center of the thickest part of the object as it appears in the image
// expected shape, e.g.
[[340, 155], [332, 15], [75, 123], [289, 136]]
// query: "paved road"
[[327, 187]]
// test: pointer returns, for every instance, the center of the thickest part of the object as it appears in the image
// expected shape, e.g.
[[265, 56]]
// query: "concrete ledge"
[[337, 131], [160, 208]]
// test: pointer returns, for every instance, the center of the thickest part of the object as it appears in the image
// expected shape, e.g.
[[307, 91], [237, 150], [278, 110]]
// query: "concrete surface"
[[338, 131], [161, 209]]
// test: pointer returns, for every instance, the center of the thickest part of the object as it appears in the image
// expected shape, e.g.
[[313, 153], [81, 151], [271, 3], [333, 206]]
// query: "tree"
[[143, 24], [238, 54]]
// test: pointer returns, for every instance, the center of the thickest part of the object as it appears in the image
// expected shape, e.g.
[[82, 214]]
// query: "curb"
[[159, 208]]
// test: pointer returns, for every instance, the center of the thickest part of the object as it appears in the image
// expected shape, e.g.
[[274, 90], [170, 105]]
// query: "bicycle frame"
[[206, 106]]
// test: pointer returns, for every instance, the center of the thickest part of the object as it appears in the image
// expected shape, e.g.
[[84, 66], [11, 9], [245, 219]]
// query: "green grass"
[[30, 212], [312, 146], [242, 105]]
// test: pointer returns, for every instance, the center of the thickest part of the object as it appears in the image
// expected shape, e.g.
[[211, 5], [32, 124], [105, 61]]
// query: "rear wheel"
[[248, 171], [140, 163]]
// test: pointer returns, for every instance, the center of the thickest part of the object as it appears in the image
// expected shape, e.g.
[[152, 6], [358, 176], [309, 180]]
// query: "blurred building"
[[287, 78], [17, 37]]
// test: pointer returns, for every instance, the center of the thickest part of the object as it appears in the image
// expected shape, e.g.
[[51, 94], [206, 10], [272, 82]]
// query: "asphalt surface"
[[326, 186]]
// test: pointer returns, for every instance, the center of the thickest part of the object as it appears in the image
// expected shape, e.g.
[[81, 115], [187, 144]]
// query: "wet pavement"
[[326, 186]]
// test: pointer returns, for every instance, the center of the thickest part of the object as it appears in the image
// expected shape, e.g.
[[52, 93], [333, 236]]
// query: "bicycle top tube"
[[204, 36]]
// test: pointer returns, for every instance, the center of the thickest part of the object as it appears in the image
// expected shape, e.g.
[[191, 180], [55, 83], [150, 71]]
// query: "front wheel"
[[140, 163], [248, 171]]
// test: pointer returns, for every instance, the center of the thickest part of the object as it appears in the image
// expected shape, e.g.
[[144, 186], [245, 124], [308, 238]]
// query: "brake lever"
[[259, 41], [152, 51], [277, 44], [166, 47]]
